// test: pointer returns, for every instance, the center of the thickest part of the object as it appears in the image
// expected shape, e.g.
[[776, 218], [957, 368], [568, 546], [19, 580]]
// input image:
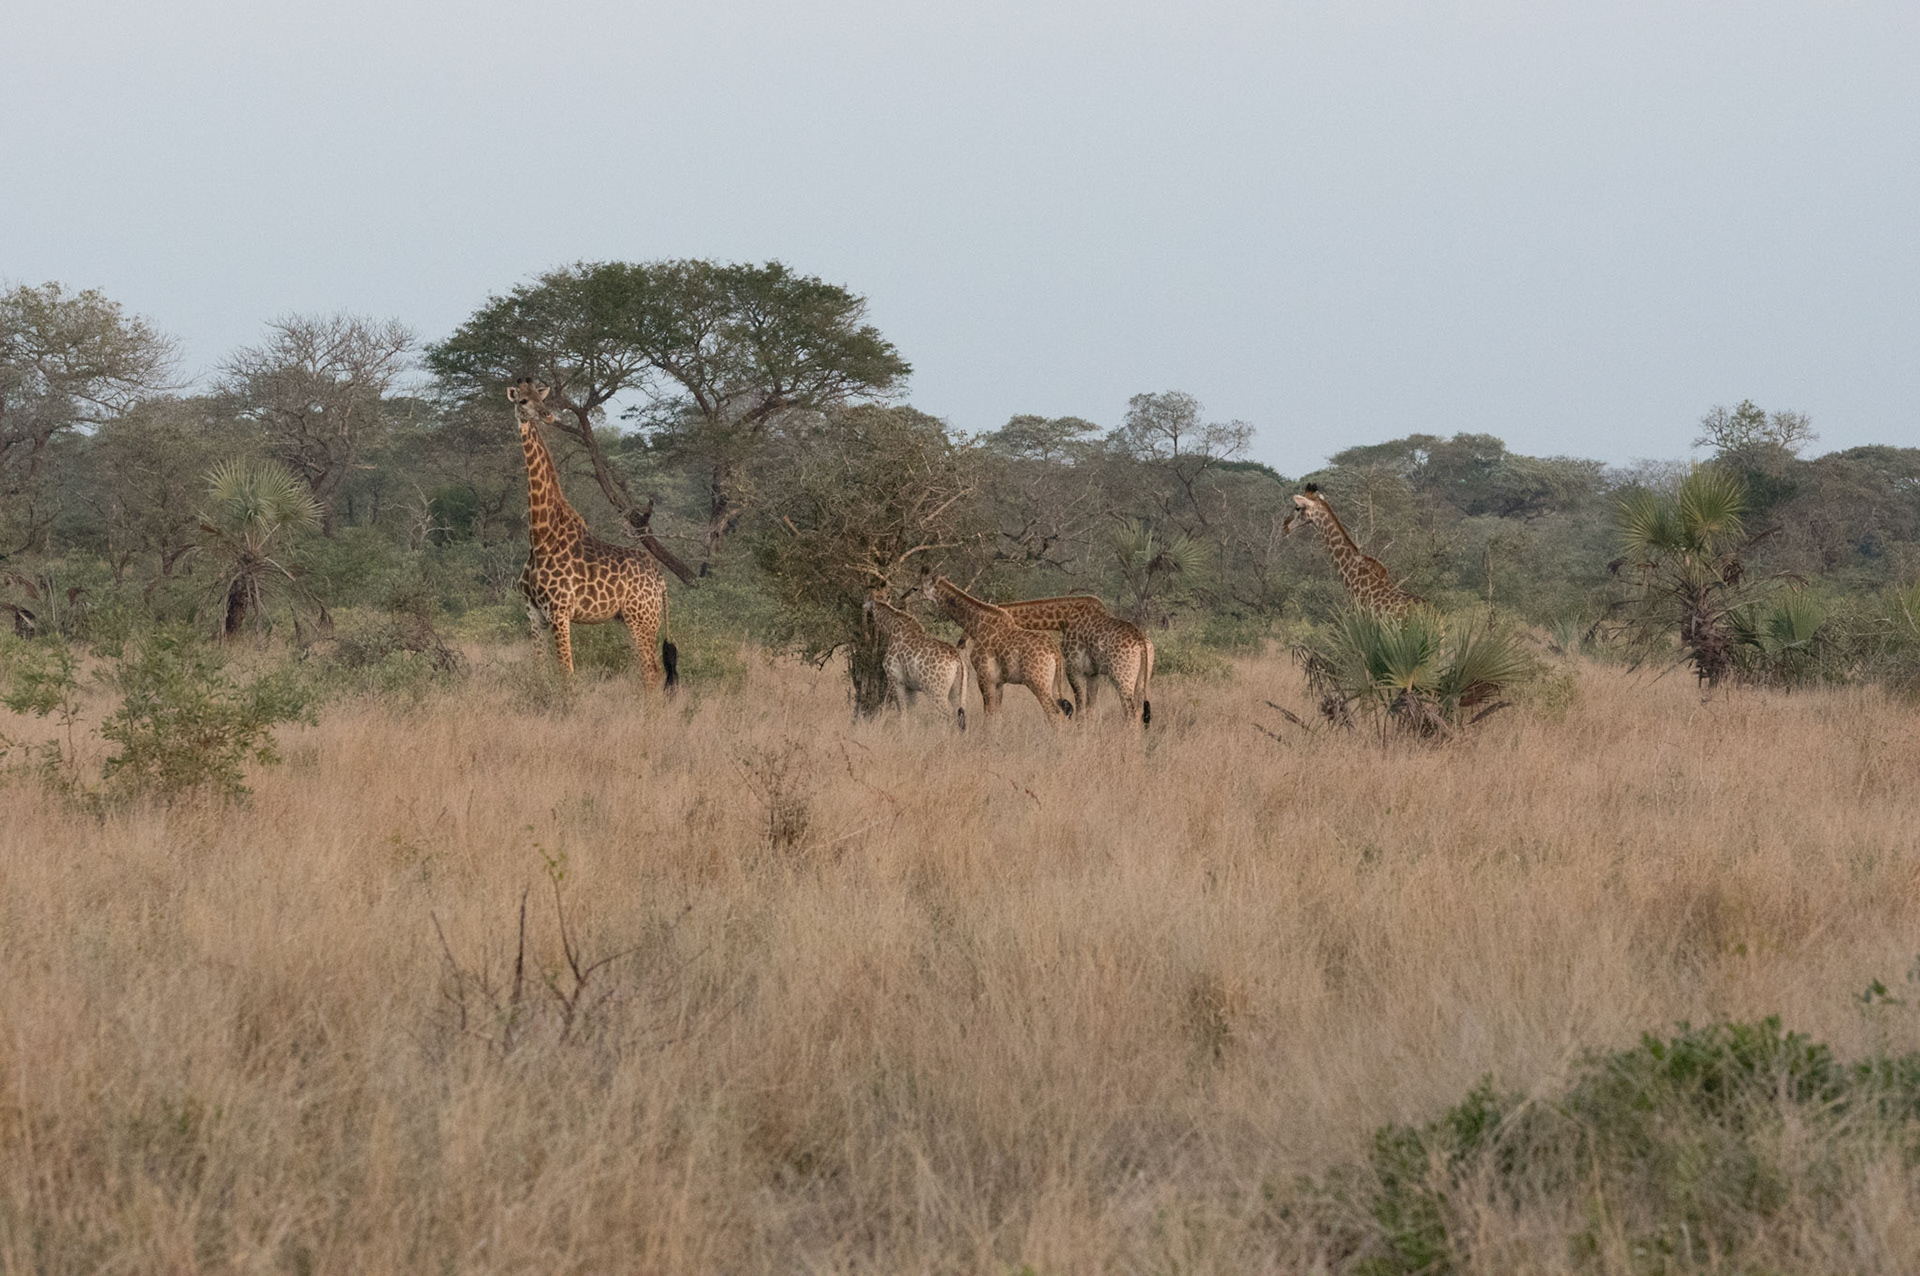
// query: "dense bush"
[[183, 725], [1690, 1148]]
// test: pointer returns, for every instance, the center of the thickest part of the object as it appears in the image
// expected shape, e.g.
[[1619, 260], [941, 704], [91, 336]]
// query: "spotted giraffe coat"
[[1094, 643], [1368, 582], [574, 577], [1000, 650], [916, 661]]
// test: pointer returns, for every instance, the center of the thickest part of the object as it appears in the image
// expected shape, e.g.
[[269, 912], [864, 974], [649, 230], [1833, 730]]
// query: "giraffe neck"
[[965, 609], [893, 622], [1347, 558], [549, 517]]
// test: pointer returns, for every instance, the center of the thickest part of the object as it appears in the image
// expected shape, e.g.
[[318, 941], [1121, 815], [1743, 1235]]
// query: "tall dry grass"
[[887, 999]]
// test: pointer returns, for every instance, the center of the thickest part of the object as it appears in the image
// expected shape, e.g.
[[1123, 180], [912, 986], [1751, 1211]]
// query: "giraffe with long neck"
[[1000, 650], [1368, 582], [916, 661], [574, 577], [1094, 642]]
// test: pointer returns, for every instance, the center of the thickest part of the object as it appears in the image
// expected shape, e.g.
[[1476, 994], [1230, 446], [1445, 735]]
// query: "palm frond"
[[252, 500], [1712, 506]]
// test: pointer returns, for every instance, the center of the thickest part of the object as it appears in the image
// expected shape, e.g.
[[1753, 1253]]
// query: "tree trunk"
[[866, 667], [720, 510], [238, 595], [612, 485]]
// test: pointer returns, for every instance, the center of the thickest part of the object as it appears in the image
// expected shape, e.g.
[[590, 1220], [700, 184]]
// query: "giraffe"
[[572, 575], [1001, 651], [1366, 577], [917, 661], [1093, 642]]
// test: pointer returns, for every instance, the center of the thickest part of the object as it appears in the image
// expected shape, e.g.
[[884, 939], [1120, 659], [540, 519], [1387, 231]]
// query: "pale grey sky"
[[1574, 226]]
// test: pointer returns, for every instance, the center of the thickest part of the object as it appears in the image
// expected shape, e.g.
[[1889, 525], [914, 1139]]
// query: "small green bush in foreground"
[[1689, 1149], [184, 725]]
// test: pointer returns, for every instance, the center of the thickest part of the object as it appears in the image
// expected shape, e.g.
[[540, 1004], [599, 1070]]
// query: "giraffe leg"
[[957, 693], [1044, 686], [650, 672], [989, 680], [563, 640]]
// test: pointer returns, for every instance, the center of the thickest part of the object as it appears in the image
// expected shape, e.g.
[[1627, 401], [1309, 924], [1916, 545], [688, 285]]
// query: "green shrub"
[[42, 679], [1675, 1143], [1179, 654], [395, 655], [1411, 672], [184, 726]]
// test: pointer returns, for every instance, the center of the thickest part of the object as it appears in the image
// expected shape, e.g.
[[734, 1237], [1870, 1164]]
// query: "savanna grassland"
[[879, 997]]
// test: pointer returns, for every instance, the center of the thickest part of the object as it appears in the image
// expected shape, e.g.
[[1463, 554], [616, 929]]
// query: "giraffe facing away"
[[1001, 650], [1367, 580], [916, 661], [1094, 642], [574, 577]]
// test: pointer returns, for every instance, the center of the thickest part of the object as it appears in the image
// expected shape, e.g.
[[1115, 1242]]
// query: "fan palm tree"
[[1149, 563], [1410, 672], [255, 515], [1683, 555]]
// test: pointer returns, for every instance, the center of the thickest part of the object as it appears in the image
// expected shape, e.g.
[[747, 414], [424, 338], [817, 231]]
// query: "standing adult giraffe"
[[572, 575], [1001, 651], [916, 661], [1094, 642], [1367, 580]]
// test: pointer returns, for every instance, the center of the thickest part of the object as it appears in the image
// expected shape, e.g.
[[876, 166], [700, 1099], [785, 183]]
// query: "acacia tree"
[[1164, 432], [316, 387], [146, 476], [68, 362], [1047, 491], [856, 500], [715, 354]]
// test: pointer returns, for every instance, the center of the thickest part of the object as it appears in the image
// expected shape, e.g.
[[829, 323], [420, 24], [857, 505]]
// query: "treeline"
[[751, 421]]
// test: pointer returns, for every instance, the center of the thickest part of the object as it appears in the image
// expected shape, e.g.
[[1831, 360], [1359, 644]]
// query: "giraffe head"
[[1307, 504], [529, 399]]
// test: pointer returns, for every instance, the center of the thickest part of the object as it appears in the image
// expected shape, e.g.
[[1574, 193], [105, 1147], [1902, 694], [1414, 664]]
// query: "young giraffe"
[[1093, 641], [572, 576], [1001, 651], [1365, 576], [916, 661]]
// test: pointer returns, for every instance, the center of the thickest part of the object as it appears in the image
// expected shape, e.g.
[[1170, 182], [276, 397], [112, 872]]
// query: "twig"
[[1289, 715]]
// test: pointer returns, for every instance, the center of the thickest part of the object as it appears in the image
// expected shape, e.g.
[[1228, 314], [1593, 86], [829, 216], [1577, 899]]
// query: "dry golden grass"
[[892, 999]]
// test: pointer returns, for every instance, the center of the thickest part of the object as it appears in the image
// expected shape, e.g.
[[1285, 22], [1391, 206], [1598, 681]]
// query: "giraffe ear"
[[513, 394]]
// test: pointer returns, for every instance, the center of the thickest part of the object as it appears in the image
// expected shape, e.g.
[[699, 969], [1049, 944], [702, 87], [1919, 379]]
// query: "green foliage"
[[1785, 643], [1179, 653], [183, 726], [853, 501], [1686, 575], [255, 514], [1156, 568], [1411, 672], [42, 679], [1675, 1142]]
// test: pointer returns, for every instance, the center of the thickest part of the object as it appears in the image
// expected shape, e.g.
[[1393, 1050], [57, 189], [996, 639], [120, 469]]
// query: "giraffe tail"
[[670, 661], [1146, 677], [961, 711]]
